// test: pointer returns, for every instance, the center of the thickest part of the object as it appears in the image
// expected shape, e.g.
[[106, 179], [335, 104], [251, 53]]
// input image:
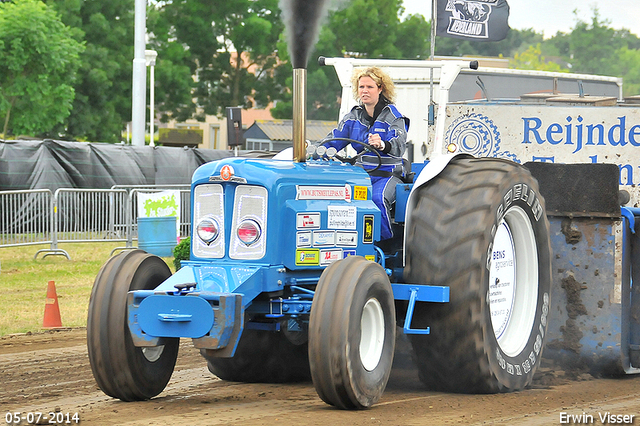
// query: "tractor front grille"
[[230, 209]]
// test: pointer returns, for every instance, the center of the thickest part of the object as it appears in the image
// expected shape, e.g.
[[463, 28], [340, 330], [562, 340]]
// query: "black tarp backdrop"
[[50, 164]]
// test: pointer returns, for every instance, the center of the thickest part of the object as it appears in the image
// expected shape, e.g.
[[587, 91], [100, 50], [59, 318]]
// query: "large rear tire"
[[263, 357], [480, 228], [352, 333], [121, 369]]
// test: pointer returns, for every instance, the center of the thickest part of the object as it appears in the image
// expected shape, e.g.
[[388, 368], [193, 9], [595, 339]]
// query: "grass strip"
[[23, 281]]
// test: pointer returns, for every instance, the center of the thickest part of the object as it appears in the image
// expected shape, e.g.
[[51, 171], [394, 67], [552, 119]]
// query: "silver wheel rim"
[[372, 334], [513, 281], [152, 353]]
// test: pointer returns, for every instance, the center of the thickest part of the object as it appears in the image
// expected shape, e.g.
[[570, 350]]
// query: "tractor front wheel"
[[121, 369], [352, 333]]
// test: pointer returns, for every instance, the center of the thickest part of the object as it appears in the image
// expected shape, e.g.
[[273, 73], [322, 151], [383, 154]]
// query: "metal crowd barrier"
[[25, 217], [78, 215], [83, 215]]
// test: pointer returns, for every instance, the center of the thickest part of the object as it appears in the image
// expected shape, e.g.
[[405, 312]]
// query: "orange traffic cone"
[[51, 308]]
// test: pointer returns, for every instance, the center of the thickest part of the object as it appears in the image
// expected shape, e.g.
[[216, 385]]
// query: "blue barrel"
[[157, 235]]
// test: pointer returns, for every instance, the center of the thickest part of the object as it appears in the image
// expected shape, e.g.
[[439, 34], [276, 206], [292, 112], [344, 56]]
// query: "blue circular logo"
[[476, 134]]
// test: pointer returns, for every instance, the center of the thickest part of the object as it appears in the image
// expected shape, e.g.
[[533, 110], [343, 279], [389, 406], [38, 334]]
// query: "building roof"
[[282, 130]]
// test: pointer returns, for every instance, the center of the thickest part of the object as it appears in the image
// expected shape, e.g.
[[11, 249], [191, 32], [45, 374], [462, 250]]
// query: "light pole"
[[139, 80], [150, 56]]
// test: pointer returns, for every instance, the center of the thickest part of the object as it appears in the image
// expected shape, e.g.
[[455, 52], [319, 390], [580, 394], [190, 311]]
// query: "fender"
[[432, 169]]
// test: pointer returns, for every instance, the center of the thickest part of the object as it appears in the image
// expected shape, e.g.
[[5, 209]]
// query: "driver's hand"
[[375, 141]]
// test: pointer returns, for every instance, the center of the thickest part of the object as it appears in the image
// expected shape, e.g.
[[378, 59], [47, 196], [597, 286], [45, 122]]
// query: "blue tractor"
[[287, 280]]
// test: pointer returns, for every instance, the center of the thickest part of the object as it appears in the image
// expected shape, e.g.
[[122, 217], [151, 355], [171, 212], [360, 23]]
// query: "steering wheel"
[[353, 160]]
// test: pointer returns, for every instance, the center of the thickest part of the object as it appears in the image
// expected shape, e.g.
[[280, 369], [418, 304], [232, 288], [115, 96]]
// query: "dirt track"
[[50, 372]]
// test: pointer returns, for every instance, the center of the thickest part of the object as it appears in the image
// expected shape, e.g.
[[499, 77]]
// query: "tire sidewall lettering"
[[525, 197], [523, 363]]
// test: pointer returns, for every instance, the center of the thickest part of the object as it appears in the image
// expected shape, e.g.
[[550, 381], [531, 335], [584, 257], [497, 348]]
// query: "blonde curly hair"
[[381, 78]]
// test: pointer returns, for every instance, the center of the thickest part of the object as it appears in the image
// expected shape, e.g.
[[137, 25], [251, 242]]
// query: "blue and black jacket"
[[392, 128], [387, 122]]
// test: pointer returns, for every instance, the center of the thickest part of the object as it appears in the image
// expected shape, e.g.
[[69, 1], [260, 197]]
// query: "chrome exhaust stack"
[[299, 114], [302, 19]]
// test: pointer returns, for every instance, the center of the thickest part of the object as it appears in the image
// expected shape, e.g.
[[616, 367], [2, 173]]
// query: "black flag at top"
[[473, 20]]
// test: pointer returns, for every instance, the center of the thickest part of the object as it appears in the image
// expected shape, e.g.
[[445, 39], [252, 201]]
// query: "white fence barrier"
[[79, 215], [25, 217]]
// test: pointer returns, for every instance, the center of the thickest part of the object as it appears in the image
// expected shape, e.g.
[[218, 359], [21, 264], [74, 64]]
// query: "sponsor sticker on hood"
[[306, 192]]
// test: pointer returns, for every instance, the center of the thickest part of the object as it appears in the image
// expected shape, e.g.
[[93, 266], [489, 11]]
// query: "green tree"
[[627, 65], [210, 36], [378, 39], [414, 35], [38, 62], [532, 59], [174, 82], [103, 90], [592, 47], [516, 40]]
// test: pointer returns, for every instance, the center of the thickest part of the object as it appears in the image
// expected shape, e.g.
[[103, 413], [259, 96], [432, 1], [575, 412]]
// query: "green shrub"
[[182, 252]]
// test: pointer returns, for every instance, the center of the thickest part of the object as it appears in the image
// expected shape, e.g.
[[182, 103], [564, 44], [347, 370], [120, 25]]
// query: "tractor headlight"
[[208, 229], [249, 231]]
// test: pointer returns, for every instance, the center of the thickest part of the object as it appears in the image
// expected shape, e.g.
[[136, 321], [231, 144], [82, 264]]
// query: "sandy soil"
[[50, 372]]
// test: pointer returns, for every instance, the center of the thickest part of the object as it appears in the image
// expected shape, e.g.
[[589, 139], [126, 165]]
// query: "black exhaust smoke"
[[302, 19]]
